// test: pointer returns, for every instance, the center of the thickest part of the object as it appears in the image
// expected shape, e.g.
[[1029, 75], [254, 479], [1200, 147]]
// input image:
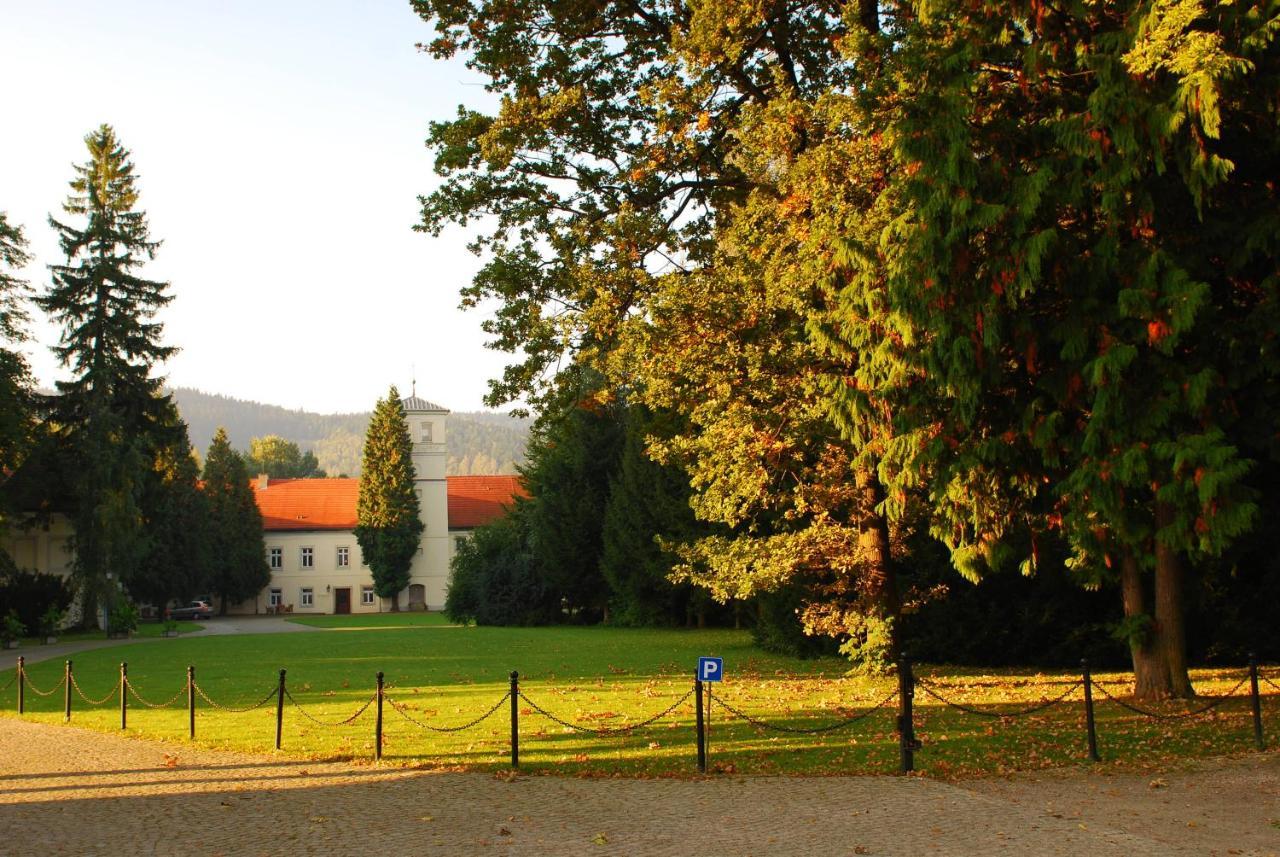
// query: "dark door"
[[342, 601]]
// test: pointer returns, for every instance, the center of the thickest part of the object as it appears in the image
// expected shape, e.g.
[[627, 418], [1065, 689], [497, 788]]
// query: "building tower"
[[429, 574]]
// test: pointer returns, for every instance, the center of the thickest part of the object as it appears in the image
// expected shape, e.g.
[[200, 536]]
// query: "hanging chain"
[[1216, 701], [798, 730], [11, 680], [401, 710], [352, 719], [1040, 706], [233, 710], [607, 730], [76, 684], [1269, 681], [38, 692], [134, 693]]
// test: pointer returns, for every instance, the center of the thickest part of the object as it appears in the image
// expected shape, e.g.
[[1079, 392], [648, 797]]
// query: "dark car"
[[193, 610]]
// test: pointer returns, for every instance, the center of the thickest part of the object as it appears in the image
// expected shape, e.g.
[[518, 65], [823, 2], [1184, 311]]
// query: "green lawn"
[[446, 675], [145, 629], [371, 621]]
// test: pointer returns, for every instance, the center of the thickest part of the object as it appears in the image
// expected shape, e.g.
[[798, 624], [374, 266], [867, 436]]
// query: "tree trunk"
[[1151, 679], [1171, 634], [879, 584]]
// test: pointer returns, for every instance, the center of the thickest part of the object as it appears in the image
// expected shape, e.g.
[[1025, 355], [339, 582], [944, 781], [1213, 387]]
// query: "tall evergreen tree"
[[15, 376], [388, 521], [111, 342], [237, 561]]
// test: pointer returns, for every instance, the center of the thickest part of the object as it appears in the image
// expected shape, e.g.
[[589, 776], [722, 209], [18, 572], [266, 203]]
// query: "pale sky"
[[279, 145]]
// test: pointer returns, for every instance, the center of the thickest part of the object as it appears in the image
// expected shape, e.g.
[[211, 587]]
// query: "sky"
[[280, 151]]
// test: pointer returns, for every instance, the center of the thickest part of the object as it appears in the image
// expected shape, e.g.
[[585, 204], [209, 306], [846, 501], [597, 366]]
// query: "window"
[[276, 599], [366, 595], [425, 436], [275, 557], [308, 558], [308, 597], [344, 557]]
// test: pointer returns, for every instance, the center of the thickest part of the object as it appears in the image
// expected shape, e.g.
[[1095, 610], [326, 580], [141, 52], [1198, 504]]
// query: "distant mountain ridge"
[[480, 442]]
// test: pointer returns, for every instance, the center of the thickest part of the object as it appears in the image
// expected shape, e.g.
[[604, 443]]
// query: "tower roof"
[[416, 403]]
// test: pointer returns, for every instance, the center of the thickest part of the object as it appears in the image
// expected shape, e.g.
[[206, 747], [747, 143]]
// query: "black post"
[[22, 677], [191, 702], [515, 720], [279, 709], [124, 695], [702, 734], [377, 729], [906, 720], [1089, 725], [66, 692], [1256, 702]]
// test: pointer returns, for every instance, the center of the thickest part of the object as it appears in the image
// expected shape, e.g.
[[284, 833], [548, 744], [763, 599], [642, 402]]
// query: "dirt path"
[[70, 791]]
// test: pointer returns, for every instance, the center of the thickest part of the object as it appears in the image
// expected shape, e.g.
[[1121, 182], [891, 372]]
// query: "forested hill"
[[479, 442]]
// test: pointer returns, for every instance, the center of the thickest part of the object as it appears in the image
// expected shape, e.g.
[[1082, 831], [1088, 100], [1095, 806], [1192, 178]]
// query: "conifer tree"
[[15, 376], [388, 522], [111, 342], [237, 560]]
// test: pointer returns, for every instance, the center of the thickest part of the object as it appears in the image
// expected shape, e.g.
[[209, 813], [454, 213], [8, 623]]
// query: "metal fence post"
[[515, 720], [66, 691], [191, 702], [279, 709], [906, 720], [124, 695], [702, 734], [1089, 725], [22, 678], [1255, 702], [377, 729]]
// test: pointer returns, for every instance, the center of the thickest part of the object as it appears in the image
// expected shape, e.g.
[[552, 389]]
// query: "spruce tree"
[[388, 523], [237, 561], [110, 342], [15, 376]]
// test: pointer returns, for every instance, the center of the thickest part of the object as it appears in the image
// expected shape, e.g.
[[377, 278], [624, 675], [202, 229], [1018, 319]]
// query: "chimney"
[[263, 481]]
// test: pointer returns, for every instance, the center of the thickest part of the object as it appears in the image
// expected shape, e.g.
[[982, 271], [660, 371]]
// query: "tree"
[[388, 522], [175, 561], [15, 377], [111, 342], [281, 459], [236, 552], [1088, 234]]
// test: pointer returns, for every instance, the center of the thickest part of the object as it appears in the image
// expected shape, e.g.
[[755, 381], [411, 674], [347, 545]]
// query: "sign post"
[[709, 669]]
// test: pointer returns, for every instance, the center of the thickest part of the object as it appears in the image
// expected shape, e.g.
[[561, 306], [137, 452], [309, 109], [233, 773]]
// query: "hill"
[[480, 442]]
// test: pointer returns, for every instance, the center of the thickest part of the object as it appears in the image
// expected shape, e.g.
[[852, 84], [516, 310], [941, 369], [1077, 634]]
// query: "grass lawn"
[[445, 675], [371, 621], [145, 629]]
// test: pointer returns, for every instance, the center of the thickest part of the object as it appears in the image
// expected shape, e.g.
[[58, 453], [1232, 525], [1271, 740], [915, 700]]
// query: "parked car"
[[193, 610]]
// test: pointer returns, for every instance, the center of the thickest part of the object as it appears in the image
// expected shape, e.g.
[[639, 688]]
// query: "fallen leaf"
[[600, 839]]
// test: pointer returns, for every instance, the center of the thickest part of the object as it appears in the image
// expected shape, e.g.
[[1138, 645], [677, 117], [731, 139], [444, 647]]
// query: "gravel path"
[[70, 791]]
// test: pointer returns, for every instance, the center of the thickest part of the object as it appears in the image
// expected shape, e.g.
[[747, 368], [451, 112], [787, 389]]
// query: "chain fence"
[[316, 720], [1267, 680], [26, 680], [75, 683], [605, 731], [804, 730], [8, 684], [928, 688], [230, 709], [168, 704], [401, 709], [1215, 701]]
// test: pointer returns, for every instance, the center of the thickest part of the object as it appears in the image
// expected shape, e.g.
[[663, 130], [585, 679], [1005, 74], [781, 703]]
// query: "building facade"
[[309, 532]]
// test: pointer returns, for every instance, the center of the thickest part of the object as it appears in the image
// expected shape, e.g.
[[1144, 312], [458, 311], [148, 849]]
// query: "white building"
[[308, 530]]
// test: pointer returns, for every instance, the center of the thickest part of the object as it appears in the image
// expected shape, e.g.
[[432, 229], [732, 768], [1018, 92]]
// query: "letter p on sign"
[[710, 669]]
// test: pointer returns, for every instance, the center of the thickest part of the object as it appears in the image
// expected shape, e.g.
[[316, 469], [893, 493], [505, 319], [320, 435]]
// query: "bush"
[[11, 628], [494, 580], [30, 594], [124, 617], [51, 620]]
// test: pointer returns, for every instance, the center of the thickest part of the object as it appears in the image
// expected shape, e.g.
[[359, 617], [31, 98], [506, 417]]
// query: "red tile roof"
[[476, 500], [330, 504]]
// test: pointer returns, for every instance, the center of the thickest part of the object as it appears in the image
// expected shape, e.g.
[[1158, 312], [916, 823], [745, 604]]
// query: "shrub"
[[124, 617], [494, 580], [30, 594], [11, 628]]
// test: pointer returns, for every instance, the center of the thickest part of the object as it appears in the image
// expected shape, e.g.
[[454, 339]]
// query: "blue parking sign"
[[710, 669]]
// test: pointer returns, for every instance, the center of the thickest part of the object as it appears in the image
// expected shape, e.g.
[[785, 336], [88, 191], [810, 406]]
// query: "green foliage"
[[16, 405], [12, 628], [30, 594], [51, 620], [124, 617], [281, 459], [236, 551], [388, 521], [494, 580]]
